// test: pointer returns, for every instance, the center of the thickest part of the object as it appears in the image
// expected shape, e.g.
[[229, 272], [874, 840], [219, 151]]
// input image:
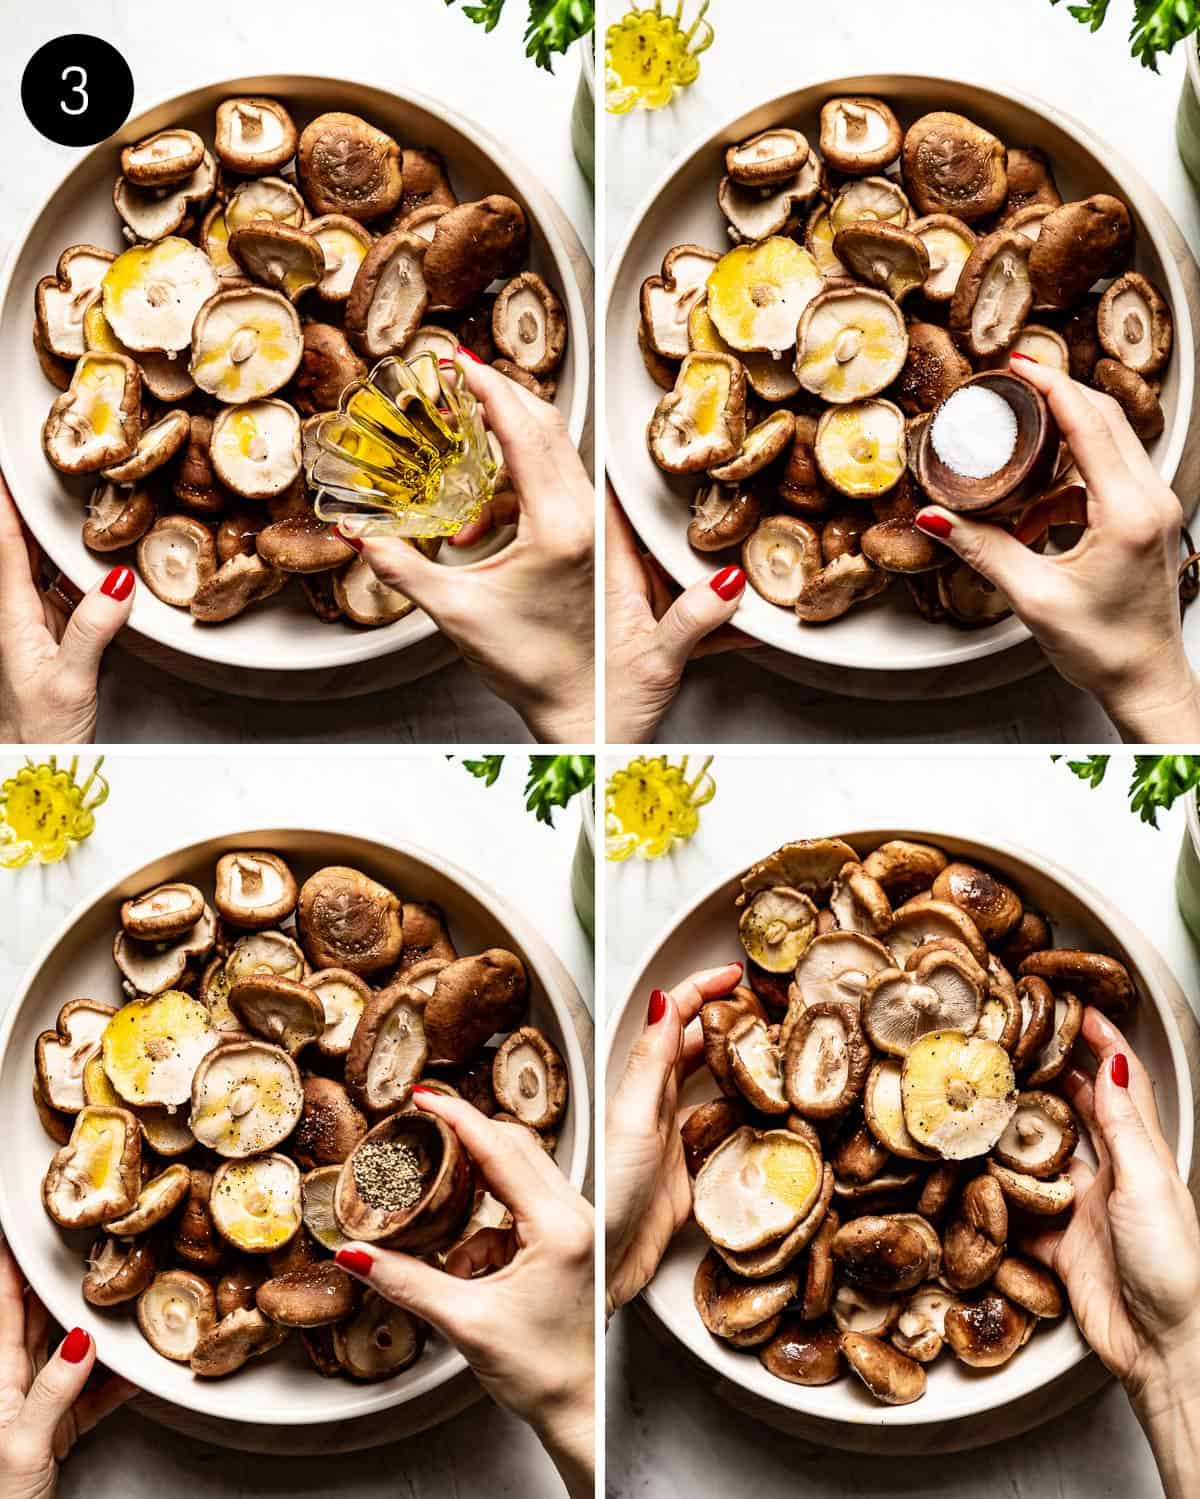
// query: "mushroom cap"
[[974, 1243], [176, 557], [851, 342], [96, 422], [761, 446], [855, 1309], [61, 301], [426, 183], [951, 165], [942, 993], [818, 241], [904, 868], [1030, 182], [958, 1093], [1036, 1000], [1096, 978], [343, 996], [778, 1254], [265, 952], [95, 1176], [1134, 324], [702, 421], [407, 1185], [256, 448], [933, 369], [870, 199], [169, 910], [993, 906], [1041, 1136], [152, 1047], [279, 255], [150, 214], [61, 1055], [1046, 345], [389, 1050], [779, 557], [390, 294], [164, 157], [195, 1240], [883, 255], [379, 1341], [528, 324], [1032, 1287], [1135, 396], [755, 1061], [238, 1337], [344, 244], [118, 1271], [883, 1110], [302, 544], [237, 1287], [920, 1330], [776, 926], [174, 1311], [859, 134], [987, 1332], [255, 1204], [891, 1376], [312, 1296], [770, 156], [994, 293], [896, 546], [770, 378], [667, 300], [246, 344], [826, 1060], [473, 999], [156, 446], [757, 292], [157, 1200], [914, 925], [808, 865], [254, 134], [473, 245], [283, 1011], [722, 516], [348, 166], [254, 889], [757, 213], [266, 199], [882, 1253], [969, 598], [756, 1187], [317, 1191], [837, 966], [1000, 1018], [861, 447], [816, 1296], [859, 903], [328, 366], [1079, 244], [246, 1098], [1045, 1196], [152, 293], [948, 243], [348, 920], [706, 1126], [1056, 1052], [529, 1079], [732, 1307]]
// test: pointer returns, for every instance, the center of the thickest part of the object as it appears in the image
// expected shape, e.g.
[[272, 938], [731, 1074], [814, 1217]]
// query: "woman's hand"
[[523, 619], [648, 1194], [44, 1408], [1106, 613], [1130, 1255], [49, 653], [527, 1329], [652, 634]]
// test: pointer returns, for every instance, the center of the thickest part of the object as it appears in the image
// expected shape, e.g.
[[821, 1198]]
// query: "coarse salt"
[[975, 432]]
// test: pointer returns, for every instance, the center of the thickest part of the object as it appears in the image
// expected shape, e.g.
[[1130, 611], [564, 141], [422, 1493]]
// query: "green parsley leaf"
[[1157, 784], [554, 25], [1157, 24]]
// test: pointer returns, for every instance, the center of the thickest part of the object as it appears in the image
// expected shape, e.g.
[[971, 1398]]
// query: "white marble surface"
[[419, 44], [765, 47], [666, 1437], [158, 802]]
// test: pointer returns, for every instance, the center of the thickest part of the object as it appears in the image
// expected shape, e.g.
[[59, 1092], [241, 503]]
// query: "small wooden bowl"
[[1023, 477]]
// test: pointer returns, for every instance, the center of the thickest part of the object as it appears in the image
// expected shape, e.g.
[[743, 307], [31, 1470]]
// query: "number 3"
[[80, 88]]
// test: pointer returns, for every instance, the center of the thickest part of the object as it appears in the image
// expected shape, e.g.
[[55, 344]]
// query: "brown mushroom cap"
[[993, 906], [347, 920], [61, 1055], [744, 1312], [890, 1375], [1096, 978], [166, 912], [1037, 1020], [236, 1339], [348, 166], [883, 1110], [1030, 182], [884, 255], [528, 324], [706, 1127], [1056, 1053], [882, 1254], [253, 135], [389, 1049], [96, 1175], [118, 1270], [1079, 244], [96, 422], [1041, 1137], [1030, 1286], [311, 1296], [905, 868], [859, 135], [328, 364], [755, 1061], [117, 517], [156, 1201], [995, 292], [769, 157], [1135, 396], [473, 999], [283, 1011], [722, 516], [329, 1126], [975, 1240], [987, 1332], [390, 294], [530, 1079], [826, 1062], [174, 1311], [954, 166], [859, 902], [948, 243], [473, 245], [407, 1184], [702, 420], [802, 1353], [238, 1286], [379, 1341], [933, 369], [780, 555], [1045, 1196], [1134, 324], [254, 889], [195, 1241]]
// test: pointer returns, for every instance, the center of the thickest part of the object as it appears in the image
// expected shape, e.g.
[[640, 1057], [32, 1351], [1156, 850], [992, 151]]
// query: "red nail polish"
[[1120, 1070], [728, 583], [357, 1261], [462, 349], [736, 964], [933, 525], [657, 1007], [351, 541], [118, 585], [421, 1088], [76, 1343], [1028, 358]]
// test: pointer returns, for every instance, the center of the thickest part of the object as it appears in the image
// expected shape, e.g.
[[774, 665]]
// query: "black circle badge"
[[77, 90]]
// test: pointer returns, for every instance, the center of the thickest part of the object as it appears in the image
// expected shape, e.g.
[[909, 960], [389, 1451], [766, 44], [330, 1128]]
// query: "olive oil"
[[44, 810], [651, 805], [648, 56]]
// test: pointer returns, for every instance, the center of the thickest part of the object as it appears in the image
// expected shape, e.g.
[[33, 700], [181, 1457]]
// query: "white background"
[[667, 1437], [172, 46], [766, 47], [158, 803]]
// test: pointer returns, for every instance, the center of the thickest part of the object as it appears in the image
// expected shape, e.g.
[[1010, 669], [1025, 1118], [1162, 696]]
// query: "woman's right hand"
[[648, 1195], [1130, 1254], [1106, 612]]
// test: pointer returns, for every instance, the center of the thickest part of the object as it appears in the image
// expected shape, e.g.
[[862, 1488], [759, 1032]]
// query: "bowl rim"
[[1008, 634], [517, 926], [349, 648], [1099, 905]]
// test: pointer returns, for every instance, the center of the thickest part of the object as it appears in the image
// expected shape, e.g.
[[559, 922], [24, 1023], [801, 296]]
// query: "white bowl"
[[703, 935], [281, 634], [886, 634], [282, 1389]]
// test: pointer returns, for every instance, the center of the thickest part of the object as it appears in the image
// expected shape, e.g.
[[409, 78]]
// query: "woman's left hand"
[[527, 1330], [44, 1407]]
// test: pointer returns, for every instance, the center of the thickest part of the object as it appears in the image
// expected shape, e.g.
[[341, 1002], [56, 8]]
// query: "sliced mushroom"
[[473, 245], [954, 166], [348, 166], [1041, 1137], [246, 345], [117, 1272], [255, 1203], [757, 292], [407, 1185], [859, 135], [1079, 244], [246, 1098], [152, 293], [388, 1051], [95, 1176], [1096, 978], [61, 1056], [380, 1341], [837, 966], [347, 920], [942, 993], [702, 421], [780, 556], [254, 135], [987, 1332], [958, 1093], [756, 1187], [883, 1110], [174, 1311], [152, 1047], [850, 344], [891, 1376], [96, 422], [948, 243], [994, 293], [882, 1254], [826, 1061]]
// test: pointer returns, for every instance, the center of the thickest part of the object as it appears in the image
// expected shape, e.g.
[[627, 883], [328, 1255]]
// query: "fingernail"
[[76, 1343], [657, 1007], [462, 349], [351, 541], [728, 583], [421, 1088], [933, 525], [357, 1261], [118, 585], [738, 966], [1120, 1070], [1028, 358]]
